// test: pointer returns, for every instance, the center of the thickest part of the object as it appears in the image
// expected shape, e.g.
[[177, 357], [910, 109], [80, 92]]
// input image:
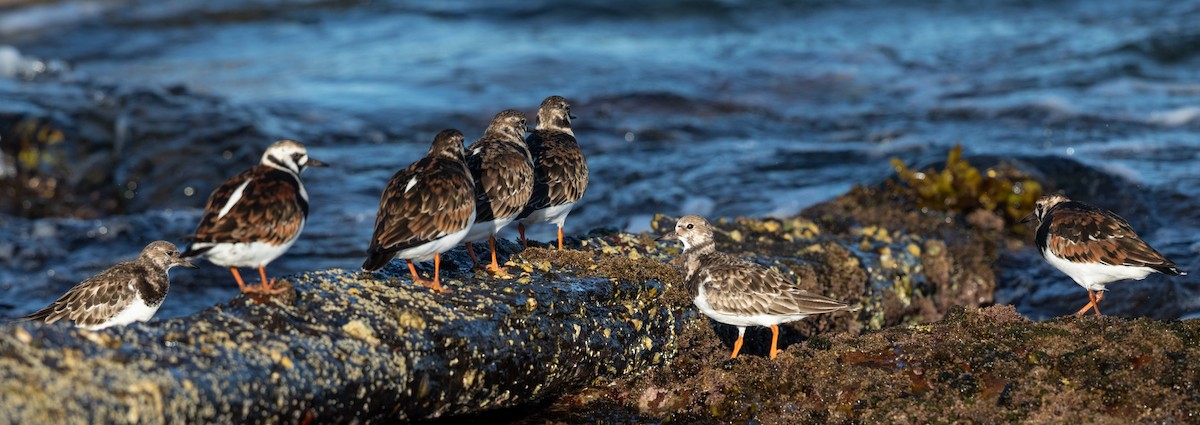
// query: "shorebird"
[[502, 168], [426, 209], [131, 291], [254, 217], [560, 171], [1093, 246], [738, 292]]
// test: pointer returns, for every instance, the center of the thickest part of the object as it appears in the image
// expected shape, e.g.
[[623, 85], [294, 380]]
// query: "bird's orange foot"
[[267, 288], [498, 271], [435, 286]]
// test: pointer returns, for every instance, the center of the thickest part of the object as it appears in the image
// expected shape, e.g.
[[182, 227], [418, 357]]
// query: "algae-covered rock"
[[1002, 191], [975, 366], [874, 247], [345, 346], [610, 313]]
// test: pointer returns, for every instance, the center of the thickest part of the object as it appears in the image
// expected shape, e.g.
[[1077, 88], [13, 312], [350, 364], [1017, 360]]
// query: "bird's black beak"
[[1032, 216], [672, 236], [315, 163], [571, 116], [185, 263]]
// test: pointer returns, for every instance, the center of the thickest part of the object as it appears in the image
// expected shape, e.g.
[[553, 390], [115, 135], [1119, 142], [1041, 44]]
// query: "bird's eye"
[[172, 253], [690, 225]]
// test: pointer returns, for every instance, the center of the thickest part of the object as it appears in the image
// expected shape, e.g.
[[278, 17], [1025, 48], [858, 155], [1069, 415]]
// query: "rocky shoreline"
[[980, 365], [346, 345], [604, 332]]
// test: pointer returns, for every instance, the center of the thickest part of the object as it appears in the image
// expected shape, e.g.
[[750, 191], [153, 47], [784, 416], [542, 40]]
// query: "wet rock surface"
[[342, 346], [79, 148], [921, 351], [608, 324], [987, 365], [346, 345]]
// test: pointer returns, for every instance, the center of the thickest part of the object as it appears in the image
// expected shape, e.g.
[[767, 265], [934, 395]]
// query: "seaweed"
[[963, 188]]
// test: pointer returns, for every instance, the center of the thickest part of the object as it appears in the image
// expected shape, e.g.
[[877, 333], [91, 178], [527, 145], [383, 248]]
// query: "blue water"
[[722, 108]]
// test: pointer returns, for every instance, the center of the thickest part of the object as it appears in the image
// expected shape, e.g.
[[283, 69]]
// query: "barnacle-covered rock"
[[975, 365], [344, 345]]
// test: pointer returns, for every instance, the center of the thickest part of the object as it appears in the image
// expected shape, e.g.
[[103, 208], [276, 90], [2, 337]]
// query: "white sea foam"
[[1175, 117]]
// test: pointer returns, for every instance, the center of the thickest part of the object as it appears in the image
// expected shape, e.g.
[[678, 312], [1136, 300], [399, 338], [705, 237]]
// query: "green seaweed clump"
[[960, 187], [34, 168]]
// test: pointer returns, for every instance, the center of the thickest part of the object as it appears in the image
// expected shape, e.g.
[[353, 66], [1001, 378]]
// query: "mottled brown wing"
[[561, 173], [742, 287], [440, 202], [217, 200], [503, 179], [94, 300], [270, 209], [1082, 233]]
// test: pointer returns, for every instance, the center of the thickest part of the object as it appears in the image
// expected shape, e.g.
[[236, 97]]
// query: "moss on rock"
[[976, 365], [345, 345]]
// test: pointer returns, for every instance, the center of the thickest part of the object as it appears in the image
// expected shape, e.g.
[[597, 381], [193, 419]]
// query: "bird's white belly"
[[481, 231], [137, 311], [252, 254], [762, 319], [556, 214], [1094, 276], [426, 251]]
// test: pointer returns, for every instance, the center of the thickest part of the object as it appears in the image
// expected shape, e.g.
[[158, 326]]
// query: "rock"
[[343, 346], [985, 365], [953, 362], [611, 313], [70, 147]]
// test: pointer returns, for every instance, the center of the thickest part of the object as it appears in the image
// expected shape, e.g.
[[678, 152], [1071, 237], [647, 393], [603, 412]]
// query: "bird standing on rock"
[[738, 292], [560, 171], [1093, 246], [502, 168], [426, 209], [256, 216], [131, 291]]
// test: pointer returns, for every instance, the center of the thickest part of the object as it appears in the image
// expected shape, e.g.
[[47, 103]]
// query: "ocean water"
[[721, 108]]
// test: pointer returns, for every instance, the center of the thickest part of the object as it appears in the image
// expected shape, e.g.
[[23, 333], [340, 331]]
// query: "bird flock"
[[460, 195]]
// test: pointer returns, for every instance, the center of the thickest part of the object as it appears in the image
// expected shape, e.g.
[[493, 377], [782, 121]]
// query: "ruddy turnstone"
[[738, 292], [1093, 246], [128, 292], [502, 169], [426, 209], [560, 172], [253, 218]]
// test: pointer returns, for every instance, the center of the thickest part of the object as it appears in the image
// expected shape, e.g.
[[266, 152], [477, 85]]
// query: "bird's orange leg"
[[774, 340], [416, 278], [264, 286], [437, 273], [521, 230], [737, 346], [495, 266], [560, 238], [1096, 304], [1089, 306], [237, 276], [474, 259], [434, 284]]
